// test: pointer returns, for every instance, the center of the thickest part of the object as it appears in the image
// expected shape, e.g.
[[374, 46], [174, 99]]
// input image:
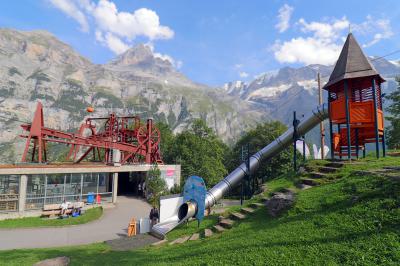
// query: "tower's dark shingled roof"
[[352, 63]]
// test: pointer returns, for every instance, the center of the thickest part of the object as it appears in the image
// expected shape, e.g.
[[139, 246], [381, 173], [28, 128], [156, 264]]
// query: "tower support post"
[[346, 95], [383, 132], [376, 118], [331, 128], [357, 144]]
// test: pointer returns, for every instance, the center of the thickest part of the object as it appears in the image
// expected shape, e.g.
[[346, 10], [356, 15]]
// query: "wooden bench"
[[55, 209]]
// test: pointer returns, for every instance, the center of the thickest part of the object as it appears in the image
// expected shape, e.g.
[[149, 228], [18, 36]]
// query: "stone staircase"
[[224, 224], [318, 173]]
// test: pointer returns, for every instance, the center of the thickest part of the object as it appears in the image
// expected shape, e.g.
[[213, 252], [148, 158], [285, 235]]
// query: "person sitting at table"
[[76, 212], [64, 207]]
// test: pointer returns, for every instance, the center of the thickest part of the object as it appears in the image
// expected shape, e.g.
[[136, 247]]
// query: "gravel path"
[[112, 225]]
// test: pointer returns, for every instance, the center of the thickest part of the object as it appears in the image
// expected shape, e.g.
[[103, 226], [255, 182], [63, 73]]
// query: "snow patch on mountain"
[[309, 85], [395, 62], [237, 87], [266, 76], [269, 92]]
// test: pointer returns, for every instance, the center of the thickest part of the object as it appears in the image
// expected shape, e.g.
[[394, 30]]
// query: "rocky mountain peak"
[[134, 55], [142, 56]]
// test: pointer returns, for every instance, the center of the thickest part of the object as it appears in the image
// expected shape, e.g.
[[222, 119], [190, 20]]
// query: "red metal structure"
[[123, 135], [355, 103]]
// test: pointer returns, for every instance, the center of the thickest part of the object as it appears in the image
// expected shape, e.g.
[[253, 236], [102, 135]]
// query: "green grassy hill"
[[352, 218]]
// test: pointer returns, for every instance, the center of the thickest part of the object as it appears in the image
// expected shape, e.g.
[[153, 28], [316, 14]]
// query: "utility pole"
[[321, 125], [242, 159], [295, 138]]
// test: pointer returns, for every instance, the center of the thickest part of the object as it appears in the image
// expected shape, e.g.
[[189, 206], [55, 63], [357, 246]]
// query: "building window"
[[9, 190], [89, 183], [73, 187], [104, 189], [35, 192], [55, 188]]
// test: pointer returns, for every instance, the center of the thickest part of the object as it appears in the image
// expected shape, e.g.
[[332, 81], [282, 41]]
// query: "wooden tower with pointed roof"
[[355, 103]]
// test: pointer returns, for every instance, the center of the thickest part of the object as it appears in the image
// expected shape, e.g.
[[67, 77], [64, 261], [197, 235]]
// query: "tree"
[[167, 143], [393, 131], [155, 185], [259, 137], [200, 153]]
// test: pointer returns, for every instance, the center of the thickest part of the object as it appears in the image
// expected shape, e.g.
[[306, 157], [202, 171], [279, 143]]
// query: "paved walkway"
[[113, 224]]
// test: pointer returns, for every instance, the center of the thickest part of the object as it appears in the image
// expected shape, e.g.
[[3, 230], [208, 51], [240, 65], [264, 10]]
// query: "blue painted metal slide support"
[[195, 190]]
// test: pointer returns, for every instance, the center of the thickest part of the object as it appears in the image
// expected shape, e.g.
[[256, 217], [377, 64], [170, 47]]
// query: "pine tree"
[[155, 185], [393, 131]]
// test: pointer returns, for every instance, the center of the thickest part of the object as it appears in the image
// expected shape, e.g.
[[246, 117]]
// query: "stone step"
[[218, 228], [195, 236], [327, 169], [309, 182], [257, 205], [237, 216], [159, 243], [208, 232], [335, 164], [227, 223], [180, 240], [247, 210], [318, 175], [183, 239], [304, 187], [393, 168]]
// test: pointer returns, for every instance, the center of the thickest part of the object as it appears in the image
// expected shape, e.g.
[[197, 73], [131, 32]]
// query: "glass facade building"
[[42, 189], [31, 187], [55, 188]]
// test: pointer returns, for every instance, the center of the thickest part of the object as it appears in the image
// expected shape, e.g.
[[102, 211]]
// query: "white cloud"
[[142, 22], [243, 74], [308, 51], [322, 41], [164, 57], [238, 66], [73, 11], [284, 14], [321, 30], [320, 48], [115, 29], [114, 43], [380, 29]]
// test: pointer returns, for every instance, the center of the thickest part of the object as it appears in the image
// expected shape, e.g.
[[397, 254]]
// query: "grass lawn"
[[88, 216], [351, 220]]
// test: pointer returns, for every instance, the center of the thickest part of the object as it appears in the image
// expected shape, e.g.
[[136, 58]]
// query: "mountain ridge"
[[36, 66], [276, 88]]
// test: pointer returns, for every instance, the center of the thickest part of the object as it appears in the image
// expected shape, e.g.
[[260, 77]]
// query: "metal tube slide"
[[188, 209]]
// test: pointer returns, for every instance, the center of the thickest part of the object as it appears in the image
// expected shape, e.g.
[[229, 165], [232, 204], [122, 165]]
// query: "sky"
[[214, 42]]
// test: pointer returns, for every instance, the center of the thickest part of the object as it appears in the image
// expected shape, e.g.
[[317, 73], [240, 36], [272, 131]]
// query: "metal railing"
[[34, 202], [8, 202]]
